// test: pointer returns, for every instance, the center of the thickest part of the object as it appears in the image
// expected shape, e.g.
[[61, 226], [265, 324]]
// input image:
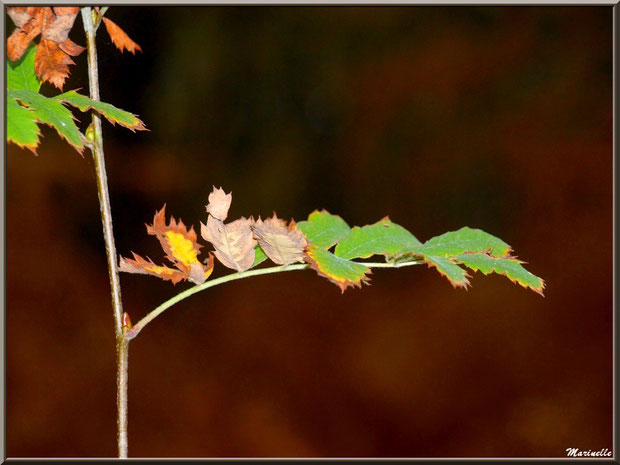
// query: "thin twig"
[[100, 15], [139, 326], [108, 235]]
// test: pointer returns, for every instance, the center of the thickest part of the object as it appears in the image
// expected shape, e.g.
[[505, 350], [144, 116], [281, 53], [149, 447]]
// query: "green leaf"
[[20, 75], [446, 267], [324, 229], [51, 112], [381, 238], [21, 125], [110, 112], [464, 240], [343, 273], [259, 256], [509, 267]]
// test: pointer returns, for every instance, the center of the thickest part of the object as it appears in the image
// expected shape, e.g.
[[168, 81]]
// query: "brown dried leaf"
[[52, 58], [51, 64], [233, 242], [283, 245], [219, 203], [119, 38], [71, 48], [17, 43], [22, 14], [58, 26]]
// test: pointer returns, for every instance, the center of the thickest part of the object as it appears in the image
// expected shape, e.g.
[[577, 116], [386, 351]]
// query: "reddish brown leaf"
[[283, 245], [52, 57], [71, 48], [119, 38], [51, 64], [17, 43]]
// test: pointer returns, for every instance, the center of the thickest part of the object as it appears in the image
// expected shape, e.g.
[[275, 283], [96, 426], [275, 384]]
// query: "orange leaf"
[[119, 38], [51, 63], [180, 245], [17, 43], [139, 265]]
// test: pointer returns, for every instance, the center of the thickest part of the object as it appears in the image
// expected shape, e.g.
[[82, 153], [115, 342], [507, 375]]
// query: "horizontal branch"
[[139, 326]]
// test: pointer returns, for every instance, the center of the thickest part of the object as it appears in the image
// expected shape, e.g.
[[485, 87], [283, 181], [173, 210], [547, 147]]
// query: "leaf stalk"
[[139, 326]]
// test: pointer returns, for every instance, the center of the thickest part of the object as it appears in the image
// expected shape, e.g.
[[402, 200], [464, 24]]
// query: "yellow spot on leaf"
[[159, 270], [182, 248]]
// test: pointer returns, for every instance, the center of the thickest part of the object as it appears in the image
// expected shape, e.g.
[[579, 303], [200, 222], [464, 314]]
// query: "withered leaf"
[[233, 242], [219, 203], [283, 245], [140, 265], [181, 248], [51, 63], [179, 244], [119, 38], [53, 23]]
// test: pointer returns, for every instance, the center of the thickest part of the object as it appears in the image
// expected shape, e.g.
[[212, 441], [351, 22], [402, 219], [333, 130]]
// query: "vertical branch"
[[122, 348], [102, 179], [122, 378]]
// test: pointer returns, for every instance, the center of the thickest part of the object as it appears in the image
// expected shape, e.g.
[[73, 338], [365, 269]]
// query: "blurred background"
[[497, 118]]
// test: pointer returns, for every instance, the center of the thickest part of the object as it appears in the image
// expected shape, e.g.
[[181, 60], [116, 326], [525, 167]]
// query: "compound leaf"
[[324, 229], [381, 238], [342, 272], [110, 112]]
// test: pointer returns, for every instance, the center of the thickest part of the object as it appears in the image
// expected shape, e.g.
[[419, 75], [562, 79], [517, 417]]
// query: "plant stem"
[[122, 348], [122, 380], [139, 326]]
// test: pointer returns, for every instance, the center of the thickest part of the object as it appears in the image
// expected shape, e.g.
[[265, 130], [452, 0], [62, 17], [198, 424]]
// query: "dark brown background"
[[496, 118]]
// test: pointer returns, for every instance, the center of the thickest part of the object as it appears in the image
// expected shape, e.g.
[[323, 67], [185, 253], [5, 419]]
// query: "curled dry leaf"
[[119, 38], [282, 244], [181, 249], [233, 242], [52, 58], [219, 203]]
